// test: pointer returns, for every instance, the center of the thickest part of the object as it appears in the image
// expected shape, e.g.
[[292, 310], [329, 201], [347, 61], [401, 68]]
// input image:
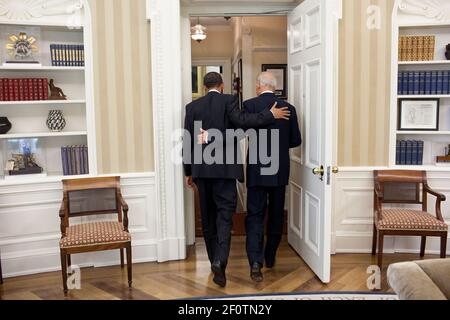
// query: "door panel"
[[311, 91]]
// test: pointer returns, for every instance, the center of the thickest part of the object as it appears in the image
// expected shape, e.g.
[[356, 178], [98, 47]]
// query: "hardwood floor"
[[192, 278]]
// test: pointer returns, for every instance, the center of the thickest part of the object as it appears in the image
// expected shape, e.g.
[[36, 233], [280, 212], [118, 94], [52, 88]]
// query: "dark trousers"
[[218, 201], [260, 201]]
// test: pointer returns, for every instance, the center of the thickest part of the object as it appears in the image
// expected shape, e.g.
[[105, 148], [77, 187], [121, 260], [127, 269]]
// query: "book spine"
[[82, 55], [408, 152], [52, 54], [410, 82], [440, 82], [420, 152], [434, 81], [16, 89], [45, 88], [428, 82], [445, 82], [77, 159], [397, 153], [400, 83], [422, 82], [73, 167], [64, 160], [415, 153], [414, 49], [21, 90], [402, 152], [409, 49], [416, 82], [2, 91], [400, 48], [420, 48], [86, 159], [431, 48]]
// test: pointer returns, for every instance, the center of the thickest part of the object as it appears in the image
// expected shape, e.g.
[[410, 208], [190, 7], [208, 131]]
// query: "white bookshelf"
[[411, 22], [29, 118]]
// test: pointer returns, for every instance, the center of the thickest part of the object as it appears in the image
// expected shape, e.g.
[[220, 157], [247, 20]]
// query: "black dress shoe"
[[219, 274], [256, 273], [270, 263]]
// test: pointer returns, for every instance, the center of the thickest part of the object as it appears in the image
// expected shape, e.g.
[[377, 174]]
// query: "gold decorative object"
[[21, 48]]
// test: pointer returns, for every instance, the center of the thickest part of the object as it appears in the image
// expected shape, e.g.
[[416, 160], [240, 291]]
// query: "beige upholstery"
[[403, 219], [96, 233], [421, 280]]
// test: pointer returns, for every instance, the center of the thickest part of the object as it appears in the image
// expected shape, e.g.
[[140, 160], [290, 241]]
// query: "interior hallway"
[[191, 278]]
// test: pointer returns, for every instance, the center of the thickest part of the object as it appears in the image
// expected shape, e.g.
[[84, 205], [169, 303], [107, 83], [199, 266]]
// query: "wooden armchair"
[[94, 197], [403, 188]]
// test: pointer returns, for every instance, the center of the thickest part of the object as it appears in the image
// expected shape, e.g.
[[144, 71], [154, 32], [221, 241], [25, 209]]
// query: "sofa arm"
[[410, 282]]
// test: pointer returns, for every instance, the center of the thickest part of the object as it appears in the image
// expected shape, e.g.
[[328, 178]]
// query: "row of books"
[[416, 48], [75, 160], [23, 89], [423, 82], [409, 152], [67, 55]]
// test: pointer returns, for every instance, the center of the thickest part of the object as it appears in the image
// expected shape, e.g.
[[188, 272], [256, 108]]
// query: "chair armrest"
[[438, 195], [125, 209], [439, 198], [62, 216]]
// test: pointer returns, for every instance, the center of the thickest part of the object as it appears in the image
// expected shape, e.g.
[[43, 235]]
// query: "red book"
[[45, 88], [41, 91], [35, 86], [6, 89], [21, 90], [2, 91], [26, 91], [16, 89]]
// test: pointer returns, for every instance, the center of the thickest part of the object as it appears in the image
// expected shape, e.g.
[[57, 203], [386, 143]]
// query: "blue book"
[[440, 82], [52, 54], [445, 83], [420, 152], [415, 153], [410, 82], [64, 161], [405, 83], [434, 77], [397, 153], [400, 83], [402, 152], [416, 82], [409, 148], [428, 82], [422, 82], [86, 159]]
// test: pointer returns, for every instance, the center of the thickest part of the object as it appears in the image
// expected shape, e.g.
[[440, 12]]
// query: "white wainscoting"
[[353, 213], [30, 226]]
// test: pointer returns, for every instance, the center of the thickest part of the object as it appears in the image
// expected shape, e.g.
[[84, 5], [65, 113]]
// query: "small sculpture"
[[55, 92]]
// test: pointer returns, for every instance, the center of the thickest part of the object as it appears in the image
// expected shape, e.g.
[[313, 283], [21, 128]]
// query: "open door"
[[311, 34]]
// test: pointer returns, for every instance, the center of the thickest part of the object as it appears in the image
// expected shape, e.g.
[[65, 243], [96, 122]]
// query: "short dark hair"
[[212, 80]]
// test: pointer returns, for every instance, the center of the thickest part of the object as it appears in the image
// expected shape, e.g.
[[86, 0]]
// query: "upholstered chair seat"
[[414, 220], [96, 233]]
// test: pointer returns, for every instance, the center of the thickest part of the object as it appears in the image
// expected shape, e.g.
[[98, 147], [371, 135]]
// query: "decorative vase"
[[5, 125], [56, 121]]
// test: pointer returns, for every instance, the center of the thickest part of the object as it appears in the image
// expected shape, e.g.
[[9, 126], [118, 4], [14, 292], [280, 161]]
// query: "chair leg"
[[69, 261], [423, 246], [374, 241], [64, 271], [444, 246], [129, 266], [380, 249], [122, 259]]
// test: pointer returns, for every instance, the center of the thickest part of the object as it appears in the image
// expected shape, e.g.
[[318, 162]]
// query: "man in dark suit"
[[216, 180], [266, 193]]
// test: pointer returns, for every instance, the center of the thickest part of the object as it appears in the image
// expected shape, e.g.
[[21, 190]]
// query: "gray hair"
[[266, 79]]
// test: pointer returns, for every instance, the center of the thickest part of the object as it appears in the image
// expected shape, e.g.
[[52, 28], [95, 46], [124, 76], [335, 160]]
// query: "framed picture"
[[280, 72], [419, 115]]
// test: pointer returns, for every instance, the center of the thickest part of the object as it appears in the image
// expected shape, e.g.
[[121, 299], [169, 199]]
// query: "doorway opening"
[[239, 48]]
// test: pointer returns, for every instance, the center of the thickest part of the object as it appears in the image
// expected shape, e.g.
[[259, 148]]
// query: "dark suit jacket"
[[289, 137], [220, 112]]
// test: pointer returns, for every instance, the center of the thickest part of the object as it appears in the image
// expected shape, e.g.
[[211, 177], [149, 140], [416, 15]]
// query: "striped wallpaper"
[[122, 80], [364, 102]]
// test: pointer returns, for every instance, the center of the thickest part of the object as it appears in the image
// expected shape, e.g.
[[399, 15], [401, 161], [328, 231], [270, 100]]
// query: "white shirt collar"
[[214, 90], [267, 91]]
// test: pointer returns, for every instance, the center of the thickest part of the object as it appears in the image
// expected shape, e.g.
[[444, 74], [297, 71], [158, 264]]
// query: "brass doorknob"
[[319, 171], [335, 170]]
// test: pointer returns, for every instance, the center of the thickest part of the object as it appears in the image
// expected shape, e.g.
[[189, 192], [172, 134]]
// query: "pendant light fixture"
[[198, 32]]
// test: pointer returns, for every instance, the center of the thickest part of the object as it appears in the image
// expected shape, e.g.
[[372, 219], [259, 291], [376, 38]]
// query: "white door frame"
[[172, 90], [223, 62]]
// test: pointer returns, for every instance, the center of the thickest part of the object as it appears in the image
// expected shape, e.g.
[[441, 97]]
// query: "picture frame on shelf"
[[280, 73], [418, 115]]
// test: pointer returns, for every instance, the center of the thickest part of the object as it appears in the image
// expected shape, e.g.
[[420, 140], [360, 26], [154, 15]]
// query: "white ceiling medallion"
[[430, 9], [32, 9]]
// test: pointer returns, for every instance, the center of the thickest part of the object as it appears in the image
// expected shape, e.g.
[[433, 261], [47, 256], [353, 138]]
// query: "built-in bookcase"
[[29, 118], [435, 142]]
